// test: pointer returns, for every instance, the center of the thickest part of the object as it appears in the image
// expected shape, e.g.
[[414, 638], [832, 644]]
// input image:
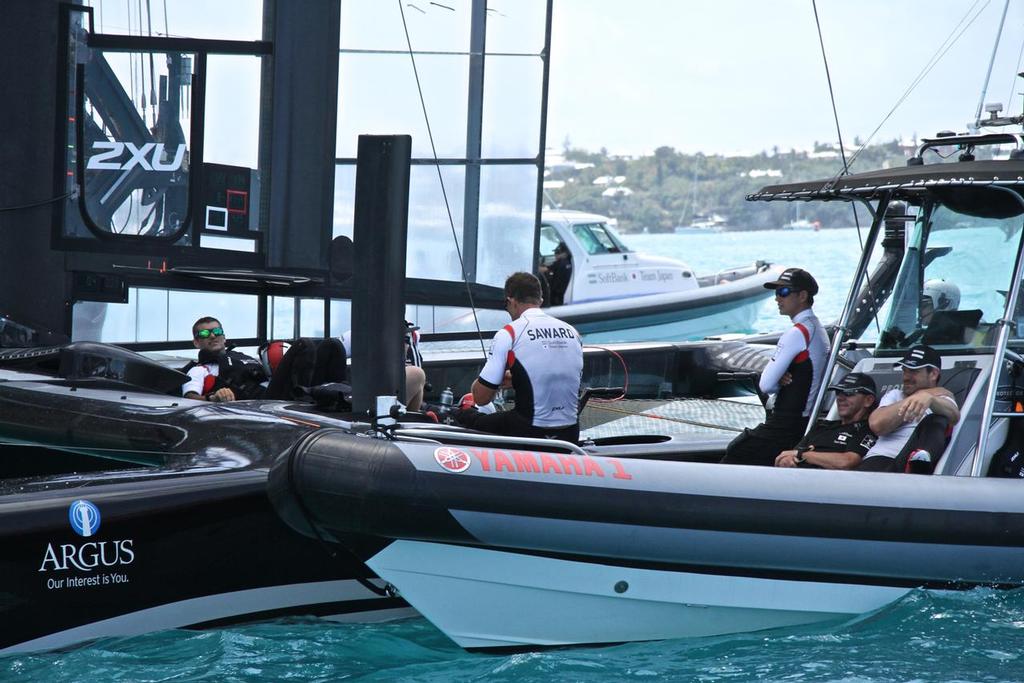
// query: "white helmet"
[[945, 296]]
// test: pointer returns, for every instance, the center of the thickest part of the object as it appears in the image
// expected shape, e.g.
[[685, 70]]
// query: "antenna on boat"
[[988, 74]]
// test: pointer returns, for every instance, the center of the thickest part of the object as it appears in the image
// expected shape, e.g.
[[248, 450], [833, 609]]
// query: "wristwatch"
[[799, 457]]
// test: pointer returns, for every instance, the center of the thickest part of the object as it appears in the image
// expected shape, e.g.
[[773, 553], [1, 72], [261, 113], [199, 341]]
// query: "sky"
[[741, 76], [717, 76]]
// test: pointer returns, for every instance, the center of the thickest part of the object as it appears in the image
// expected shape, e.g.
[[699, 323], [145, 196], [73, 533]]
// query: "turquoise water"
[[831, 256], [972, 636]]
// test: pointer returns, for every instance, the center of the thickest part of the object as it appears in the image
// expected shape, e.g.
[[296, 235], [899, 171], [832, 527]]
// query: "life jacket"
[[244, 375], [1008, 461], [791, 400]]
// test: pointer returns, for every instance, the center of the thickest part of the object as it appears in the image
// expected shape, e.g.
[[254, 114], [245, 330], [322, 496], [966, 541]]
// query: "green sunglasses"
[[206, 334]]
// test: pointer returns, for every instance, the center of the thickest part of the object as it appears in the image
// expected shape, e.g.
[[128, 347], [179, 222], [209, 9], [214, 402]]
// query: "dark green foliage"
[[664, 194]]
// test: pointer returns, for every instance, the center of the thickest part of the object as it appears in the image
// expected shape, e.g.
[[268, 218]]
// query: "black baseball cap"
[[797, 278], [920, 356], [856, 381]]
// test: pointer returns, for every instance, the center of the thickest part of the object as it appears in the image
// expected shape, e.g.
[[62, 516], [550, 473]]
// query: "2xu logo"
[[105, 161]]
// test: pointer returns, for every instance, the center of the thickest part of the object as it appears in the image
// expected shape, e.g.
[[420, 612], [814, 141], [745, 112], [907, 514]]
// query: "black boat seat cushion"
[[951, 327], [307, 363]]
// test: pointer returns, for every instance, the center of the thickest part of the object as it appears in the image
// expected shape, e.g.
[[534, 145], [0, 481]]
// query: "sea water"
[[976, 635], [831, 256]]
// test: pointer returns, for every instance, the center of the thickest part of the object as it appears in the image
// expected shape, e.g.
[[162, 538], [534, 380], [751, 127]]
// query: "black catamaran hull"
[[504, 547], [155, 516]]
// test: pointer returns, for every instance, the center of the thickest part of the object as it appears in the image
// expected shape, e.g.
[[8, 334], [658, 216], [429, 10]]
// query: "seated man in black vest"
[[838, 444], [221, 375]]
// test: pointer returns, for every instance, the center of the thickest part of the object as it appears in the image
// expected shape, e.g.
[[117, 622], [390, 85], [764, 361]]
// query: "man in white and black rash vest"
[[792, 376], [542, 358]]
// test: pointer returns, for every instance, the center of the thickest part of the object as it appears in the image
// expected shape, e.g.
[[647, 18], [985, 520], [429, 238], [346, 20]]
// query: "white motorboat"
[[802, 224], [618, 294]]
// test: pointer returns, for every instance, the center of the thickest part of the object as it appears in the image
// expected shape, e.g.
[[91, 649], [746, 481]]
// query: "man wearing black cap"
[[901, 411], [838, 444], [792, 376]]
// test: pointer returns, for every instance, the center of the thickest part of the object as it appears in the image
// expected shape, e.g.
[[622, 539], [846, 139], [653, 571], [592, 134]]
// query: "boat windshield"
[[955, 275], [549, 240], [599, 238]]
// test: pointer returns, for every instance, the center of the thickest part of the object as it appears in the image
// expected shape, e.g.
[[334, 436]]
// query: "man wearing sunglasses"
[[792, 377], [839, 444], [221, 375]]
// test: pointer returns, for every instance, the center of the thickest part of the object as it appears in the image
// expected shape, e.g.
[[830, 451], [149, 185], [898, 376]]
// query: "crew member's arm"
[[194, 386], [886, 417], [482, 394], [790, 344], [846, 460], [221, 395], [889, 417], [939, 399], [486, 386]]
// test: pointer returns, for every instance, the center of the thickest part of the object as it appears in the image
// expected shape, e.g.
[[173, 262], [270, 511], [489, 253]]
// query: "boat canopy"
[[906, 183]]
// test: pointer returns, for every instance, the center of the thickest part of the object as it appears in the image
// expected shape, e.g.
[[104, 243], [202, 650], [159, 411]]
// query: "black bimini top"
[[908, 182]]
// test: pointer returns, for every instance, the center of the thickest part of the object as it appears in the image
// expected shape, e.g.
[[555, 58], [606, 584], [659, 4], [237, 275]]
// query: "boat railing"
[[969, 141], [490, 439]]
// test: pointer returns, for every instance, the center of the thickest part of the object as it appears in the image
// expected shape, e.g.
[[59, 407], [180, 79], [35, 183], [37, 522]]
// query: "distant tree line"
[[668, 188]]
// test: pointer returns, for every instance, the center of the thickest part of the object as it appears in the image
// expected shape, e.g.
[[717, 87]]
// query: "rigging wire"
[[131, 55], [1013, 80], [142, 71], [43, 202], [839, 132], [440, 179], [152, 77], [943, 48]]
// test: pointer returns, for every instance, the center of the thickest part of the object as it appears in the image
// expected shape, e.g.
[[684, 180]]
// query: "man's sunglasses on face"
[[783, 292], [206, 334], [850, 392]]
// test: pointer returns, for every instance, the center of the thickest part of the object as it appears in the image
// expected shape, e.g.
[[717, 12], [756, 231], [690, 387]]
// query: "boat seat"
[[951, 327], [959, 379], [306, 364]]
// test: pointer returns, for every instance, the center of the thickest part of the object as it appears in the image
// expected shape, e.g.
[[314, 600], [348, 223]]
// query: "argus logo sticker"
[[452, 459], [84, 517]]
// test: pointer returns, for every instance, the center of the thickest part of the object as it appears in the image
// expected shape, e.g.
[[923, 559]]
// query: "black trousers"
[[762, 444], [511, 423]]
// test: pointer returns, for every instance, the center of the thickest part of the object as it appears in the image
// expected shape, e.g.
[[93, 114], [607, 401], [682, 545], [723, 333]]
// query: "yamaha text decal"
[[529, 462], [91, 561]]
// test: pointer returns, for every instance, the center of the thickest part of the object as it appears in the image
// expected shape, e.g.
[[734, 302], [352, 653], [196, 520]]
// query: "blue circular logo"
[[84, 517]]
